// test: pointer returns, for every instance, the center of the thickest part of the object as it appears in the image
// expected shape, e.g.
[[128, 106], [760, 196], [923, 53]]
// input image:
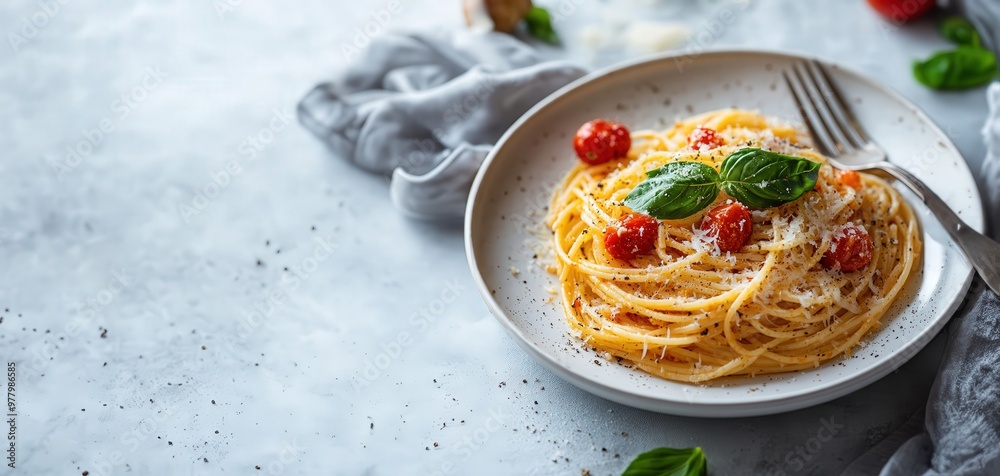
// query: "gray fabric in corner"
[[991, 166], [984, 15], [962, 419], [426, 108], [961, 431]]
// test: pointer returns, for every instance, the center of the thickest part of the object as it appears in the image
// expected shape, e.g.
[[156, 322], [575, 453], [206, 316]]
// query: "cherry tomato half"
[[600, 141], [703, 138], [631, 236], [849, 178], [731, 224], [851, 250]]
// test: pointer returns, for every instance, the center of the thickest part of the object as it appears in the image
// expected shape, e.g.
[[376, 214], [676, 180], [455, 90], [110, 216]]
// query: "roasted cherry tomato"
[[600, 141], [731, 224], [849, 178], [851, 250], [703, 138], [901, 11], [631, 236]]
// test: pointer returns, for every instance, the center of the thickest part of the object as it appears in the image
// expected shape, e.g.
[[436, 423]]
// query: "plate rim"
[[787, 402]]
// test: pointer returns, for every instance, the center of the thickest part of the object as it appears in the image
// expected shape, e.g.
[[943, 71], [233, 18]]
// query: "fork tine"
[[815, 125], [819, 102], [837, 106]]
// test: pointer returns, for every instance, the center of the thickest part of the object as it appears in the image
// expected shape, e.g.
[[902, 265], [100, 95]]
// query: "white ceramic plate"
[[512, 190]]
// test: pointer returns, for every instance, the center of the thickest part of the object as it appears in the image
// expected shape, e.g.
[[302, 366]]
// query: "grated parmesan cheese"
[[654, 37]]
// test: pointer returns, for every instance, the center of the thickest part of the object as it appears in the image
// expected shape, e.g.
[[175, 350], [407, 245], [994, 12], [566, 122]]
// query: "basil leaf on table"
[[669, 462], [540, 25], [764, 179], [965, 67], [958, 30], [675, 190]]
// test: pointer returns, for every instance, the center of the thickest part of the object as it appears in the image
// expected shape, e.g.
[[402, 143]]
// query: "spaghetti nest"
[[687, 311]]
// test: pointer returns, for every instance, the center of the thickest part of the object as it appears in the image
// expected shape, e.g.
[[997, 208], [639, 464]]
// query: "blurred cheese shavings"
[[639, 37]]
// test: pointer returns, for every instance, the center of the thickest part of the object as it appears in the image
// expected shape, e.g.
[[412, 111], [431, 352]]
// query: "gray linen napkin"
[[962, 417], [959, 430], [426, 108], [984, 15]]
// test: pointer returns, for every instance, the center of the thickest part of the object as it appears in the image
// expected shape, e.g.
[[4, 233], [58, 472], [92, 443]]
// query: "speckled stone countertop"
[[193, 285]]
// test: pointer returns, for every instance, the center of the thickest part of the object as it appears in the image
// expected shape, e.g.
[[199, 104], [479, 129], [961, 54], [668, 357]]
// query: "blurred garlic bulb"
[[499, 15]]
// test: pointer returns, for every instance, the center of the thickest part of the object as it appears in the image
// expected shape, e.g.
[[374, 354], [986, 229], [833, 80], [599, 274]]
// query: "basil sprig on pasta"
[[763, 179], [757, 178], [675, 190]]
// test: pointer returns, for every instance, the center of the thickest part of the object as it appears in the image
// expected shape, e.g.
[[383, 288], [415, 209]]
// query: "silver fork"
[[839, 136]]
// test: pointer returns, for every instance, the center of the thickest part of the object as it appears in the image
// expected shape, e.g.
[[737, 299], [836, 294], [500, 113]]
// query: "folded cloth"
[[991, 166], [962, 417], [984, 15], [427, 107], [959, 430], [960, 434]]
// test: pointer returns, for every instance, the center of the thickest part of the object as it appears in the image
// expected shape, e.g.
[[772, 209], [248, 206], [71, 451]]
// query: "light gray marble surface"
[[248, 281]]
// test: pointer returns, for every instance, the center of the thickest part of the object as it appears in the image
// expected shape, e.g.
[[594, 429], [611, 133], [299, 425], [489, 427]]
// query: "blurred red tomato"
[[901, 11]]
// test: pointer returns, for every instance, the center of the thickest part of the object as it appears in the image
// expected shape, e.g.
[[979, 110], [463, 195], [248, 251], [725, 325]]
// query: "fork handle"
[[982, 252]]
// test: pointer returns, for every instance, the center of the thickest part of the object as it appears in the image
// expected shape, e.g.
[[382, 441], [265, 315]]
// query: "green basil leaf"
[[764, 179], [674, 191], [965, 67], [540, 25], [669, 462], [958, 30]]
